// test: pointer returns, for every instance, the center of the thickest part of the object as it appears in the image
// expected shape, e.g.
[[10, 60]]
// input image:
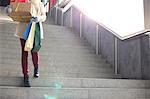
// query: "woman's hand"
[[35, 19]]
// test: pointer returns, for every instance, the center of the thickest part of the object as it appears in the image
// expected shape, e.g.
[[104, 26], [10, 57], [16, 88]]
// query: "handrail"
[[69, 5], [146, 31]]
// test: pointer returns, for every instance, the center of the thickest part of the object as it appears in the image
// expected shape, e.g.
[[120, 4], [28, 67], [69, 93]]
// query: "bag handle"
[[17, 7]]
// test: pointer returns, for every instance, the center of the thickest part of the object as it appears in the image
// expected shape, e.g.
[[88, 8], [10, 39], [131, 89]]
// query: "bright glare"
[[124, 17], [58, 85], [49, 97]]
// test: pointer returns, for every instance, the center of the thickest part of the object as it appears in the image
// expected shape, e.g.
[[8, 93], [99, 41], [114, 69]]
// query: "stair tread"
[[80, 82]]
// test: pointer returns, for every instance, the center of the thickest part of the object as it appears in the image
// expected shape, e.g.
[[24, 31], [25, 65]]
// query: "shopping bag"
[[37, 39], [30, 40], [27, 31]]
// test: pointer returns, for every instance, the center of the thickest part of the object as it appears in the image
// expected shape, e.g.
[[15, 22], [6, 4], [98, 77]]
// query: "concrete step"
[[49, 56], [56, 57], [47, 52], [53, 63], [47, 28], [65, 36], [76, 82], [60, 66], [52, 54], [48, 43], [53, 27], [62, 69], [61, 34], [46, 33], [8, 92], [56, 62], [51, 73], [50, 48]]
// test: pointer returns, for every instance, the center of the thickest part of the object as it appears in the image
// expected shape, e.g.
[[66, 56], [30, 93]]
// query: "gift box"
[[21, 12]]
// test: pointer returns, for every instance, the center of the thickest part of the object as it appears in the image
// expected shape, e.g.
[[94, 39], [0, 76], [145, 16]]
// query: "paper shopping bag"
[[37, 39], [27, 31], [30, 40]]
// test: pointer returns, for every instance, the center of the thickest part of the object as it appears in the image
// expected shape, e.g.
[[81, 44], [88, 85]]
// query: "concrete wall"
[[107, 45], [89, 31], [76, 20], [132, 54], [145, 57], [53, 12], [129, 58], [66, 18], [59, 16]]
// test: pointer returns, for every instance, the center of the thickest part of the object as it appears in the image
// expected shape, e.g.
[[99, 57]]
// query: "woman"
[[37, 10]]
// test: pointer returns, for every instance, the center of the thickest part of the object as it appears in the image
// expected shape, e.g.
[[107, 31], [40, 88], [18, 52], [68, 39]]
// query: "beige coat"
[[40, 12]]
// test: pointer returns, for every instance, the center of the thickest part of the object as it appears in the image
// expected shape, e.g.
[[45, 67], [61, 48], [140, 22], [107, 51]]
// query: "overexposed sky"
[[124, 17]]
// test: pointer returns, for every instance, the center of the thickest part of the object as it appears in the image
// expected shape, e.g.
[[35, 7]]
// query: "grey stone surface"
[[59, 17], [53, 12], [76, 20], [76, 82], [129, 58], [89, 30], [115, 93], [106, 45], [49, 19], [72, 93], [41, 93], [145, 57], [66, 18]]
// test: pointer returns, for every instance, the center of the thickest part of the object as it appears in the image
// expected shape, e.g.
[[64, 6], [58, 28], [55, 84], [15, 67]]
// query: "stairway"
[[69, 69]]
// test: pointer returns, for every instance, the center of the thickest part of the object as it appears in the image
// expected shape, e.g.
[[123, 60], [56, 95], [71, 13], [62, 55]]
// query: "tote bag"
[[27, 31], [37, 39], [30, 40]]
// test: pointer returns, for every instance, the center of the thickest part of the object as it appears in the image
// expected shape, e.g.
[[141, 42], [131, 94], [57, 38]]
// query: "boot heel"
[[36, 72], [26, 81]]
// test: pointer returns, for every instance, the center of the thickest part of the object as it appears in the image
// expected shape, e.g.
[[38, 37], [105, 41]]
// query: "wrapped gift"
[[21, 12]]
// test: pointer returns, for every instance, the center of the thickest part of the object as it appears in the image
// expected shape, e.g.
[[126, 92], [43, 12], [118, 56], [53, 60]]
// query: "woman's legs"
[[35, 58], [24, 58], [24, 62], [35, 63]]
